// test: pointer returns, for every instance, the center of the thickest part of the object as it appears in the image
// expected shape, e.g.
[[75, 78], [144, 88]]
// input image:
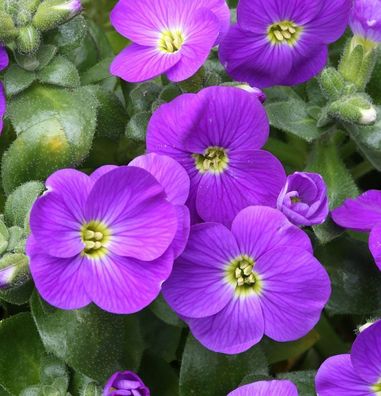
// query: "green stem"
[[285, 153], [362, 169], [347, 149]]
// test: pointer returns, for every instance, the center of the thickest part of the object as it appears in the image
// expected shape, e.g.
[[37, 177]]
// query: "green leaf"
[[354, 277], [97, 73], [205, 373], [162, 310], [137, 126], [19, 203], [280, 94], [56, 129], [368, 140], [60, 72], [142, 97], [292, 116], [304, 381], [19, 294], [21, 352], [92, 341], [17, 80]]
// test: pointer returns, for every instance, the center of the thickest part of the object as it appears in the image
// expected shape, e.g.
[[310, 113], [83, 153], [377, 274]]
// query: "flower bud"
[[13, 270], [332, 83], [365, 20], [254, 90], [52, 13], [28, 40], [355, 109], [8, 31], [125, 383]]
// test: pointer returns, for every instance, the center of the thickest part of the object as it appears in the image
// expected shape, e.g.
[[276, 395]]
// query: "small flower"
[[365, 19], [304, 199], [4, 61], [277, 42], [262, 388], [217, 135], [233, 286], [357, 373], [105, 238], [172, 37], [125, 383], [363, 214]]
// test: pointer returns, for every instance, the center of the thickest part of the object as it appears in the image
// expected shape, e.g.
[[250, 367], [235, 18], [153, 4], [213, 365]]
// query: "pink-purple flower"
[[304, 199], [217, 136], [277, 42], [109, 238], [172, 37], [125, 383], [363, 214], [357, 373], [233, 286], [4, 61], [266, 388], [365, 20]]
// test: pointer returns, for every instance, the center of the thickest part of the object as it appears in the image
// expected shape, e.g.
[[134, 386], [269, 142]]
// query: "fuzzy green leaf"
[[17, 80]]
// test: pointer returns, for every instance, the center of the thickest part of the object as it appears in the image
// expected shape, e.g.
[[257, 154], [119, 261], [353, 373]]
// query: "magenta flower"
[[304, 199], [363, 214], [216, 135], [355, 374], [233, 286], [266, 388], [277, 42], [365, 20], [125, 383], [172, 37], [4, 61], [105, 238]]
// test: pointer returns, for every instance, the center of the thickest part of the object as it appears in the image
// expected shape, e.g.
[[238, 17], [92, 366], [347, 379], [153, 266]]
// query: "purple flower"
[[217, 135], [4, 61], [363, 214], [266, 388], [277, 42], [304, 199], [108, 238], [125, 383], [233, 286], [365, 19], [355, 374], [7, 275], [172, 36]]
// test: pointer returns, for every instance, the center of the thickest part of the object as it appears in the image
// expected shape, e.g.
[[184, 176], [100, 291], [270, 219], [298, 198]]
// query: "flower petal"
[[233, 330], [137, 63], [259, 229], [4, 59], [131, 202], [336, 376], [124, 285], [266, 388], [361, 213], [196, 287], [169, 173], [183, 229], [375, 244], [98, 173], [295, 288]]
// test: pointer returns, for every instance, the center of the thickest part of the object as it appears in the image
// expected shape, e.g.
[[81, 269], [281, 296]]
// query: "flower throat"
[[285, 32]]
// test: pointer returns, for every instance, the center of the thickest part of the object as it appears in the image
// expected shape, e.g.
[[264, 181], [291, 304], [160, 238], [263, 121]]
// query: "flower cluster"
[[4, 60]]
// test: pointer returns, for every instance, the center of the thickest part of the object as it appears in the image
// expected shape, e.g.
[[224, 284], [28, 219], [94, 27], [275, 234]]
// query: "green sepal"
[[8, 30], [332, 83], [28, 40]]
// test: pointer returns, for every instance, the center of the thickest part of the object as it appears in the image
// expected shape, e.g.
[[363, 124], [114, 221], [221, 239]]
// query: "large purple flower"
[[355, 374], [172, 36], [125, 383], [4, 61], [217, 135], [365, 20], [232, 286], [304, 199], [266, 388], [363, 214], [108, 238], [277, 42]]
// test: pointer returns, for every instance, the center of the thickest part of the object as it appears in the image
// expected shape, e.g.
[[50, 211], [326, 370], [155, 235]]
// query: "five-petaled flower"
[[277, 42], [172, 37], [233, 286]]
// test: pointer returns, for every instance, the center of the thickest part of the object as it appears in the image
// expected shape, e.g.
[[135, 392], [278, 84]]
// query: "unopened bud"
[[52, 13], [332, 83], [356, 109], [28, 40], [8, 31], [13, 270], [31, 5], [255, 91]]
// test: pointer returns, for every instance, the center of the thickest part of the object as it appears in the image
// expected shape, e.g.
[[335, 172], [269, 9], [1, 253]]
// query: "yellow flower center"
[[376, 389], [240, 274], [284, 32], [171, 41], [95, 236], [214, 160]]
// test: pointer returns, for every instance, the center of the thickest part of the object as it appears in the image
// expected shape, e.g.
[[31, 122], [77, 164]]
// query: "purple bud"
[[254, 90], [365, 19], [125, 383], [7, 275], [304, 199]]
